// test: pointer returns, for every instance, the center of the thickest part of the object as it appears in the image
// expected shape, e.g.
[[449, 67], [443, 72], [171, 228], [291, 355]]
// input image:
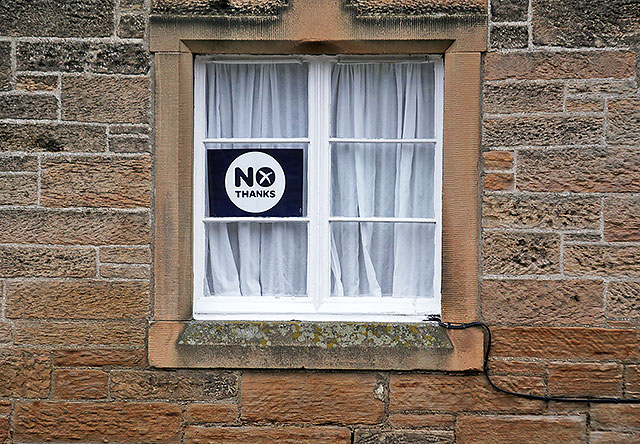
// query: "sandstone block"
[[615, 416], [613, 438], [520, 253], [80, 333], [585, 104], [364, 436], [74, 227], [5, 333], [97, 422], [623, 300], [509, 37], [416, 420], [132, 26], [18, 163], [125, 255], [498, 182], [77, 300], [80, 384], [313, 397], [622, 219], [517, 367], [565, 343], [99, 358], [52, 138], [96, 182], [579, 170], [5, 67], [601, 87], [542, 131], [543, 302], [267, 435], [183, 385], [67, 56], [632, 381], [624, 122], [521, 429], [24, 373], [497, 160], [129, 145], [527, 211], [210, 413], [47, 262], [121, 58], [28, 106], [375, 8], [509, 10], [585, 379], [605, 260], [124, 271], [501, 98], [106, 99], [18, 190], [560, 65], [27, 82]]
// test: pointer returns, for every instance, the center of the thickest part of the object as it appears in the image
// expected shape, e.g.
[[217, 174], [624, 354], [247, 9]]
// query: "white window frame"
[[317, 305]]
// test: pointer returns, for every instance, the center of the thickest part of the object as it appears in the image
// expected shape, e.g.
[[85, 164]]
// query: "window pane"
[[256, 259], [383, 100], [382, 180], [382, 259], [256, 100]]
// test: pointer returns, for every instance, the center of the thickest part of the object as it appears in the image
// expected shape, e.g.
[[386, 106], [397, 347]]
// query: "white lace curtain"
[[369, 100]]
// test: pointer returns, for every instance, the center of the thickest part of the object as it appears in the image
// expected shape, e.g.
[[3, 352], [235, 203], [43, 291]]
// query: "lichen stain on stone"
[[258, 8], [324, 335]]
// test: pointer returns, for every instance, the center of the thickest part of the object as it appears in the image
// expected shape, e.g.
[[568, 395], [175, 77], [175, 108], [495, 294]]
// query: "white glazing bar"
[[261, 220], [350, 140], [264, 140], [396, 220]]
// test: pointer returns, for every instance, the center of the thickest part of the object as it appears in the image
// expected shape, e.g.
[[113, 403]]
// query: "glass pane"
[[256, 259], [266, 180], [382, 180], [382, 259], [256, 100], [383, 100]]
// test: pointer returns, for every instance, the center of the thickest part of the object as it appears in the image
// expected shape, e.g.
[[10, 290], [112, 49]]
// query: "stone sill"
[[313, 345]]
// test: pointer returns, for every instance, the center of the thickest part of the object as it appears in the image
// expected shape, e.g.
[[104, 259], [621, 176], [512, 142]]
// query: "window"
[[317, 188]]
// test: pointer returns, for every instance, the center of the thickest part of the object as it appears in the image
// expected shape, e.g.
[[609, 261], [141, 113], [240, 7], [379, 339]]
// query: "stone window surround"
[[177, 341]]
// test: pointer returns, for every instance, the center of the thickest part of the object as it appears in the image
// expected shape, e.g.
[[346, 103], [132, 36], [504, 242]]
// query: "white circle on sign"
[[255, 182]]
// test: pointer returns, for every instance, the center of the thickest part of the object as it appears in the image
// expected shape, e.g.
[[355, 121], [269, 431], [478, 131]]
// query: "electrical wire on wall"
[[485, 368]]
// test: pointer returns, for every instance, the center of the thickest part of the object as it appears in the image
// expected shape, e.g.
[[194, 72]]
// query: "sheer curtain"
[[382, 100], [256, 100]]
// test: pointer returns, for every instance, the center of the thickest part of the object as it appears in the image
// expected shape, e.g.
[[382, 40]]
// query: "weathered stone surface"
[[125, 255], [132, 5], [99, 358], [547, 211], [132, 26], [267, 435], [585, 104], [517, 367], [509, 37], [80, 384], [521, 429], [615, 416], [310, 397], [125, 271], [601, 87], [129, 144], [5, 333], [5, 66], [560, 65], [123, 130], [74, 227], [585, 379], [97, 422], [498, 182], [497, 160], [28, 82], [122, 58], [28, 106], [613, 437], [565, 343], [374, 8], [183, 385], [96, 182], [509, 10], [528, 384], [47, 262], [624, 121], [623, 300], [4, 430], [521, 130], [210, 413], [605, 260], [579, 170], [77, 300], [632, 380], [105, 99], [24, 373], [75, 18], [18, 163], [536, 302], [80, 333], [52, 137], [453, 393], [414, 420], [574, 23], [520, 253], [622, 219], [522, 97], [218, 7], [367, 436], [18, 189], [583, 237]]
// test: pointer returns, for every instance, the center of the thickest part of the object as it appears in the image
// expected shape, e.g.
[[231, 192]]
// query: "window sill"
[[314, 345]]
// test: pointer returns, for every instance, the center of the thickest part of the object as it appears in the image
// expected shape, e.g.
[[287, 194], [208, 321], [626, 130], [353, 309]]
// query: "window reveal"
[[360, 232]]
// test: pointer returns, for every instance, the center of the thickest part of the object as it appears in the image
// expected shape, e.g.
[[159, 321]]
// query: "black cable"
[[485, 368]]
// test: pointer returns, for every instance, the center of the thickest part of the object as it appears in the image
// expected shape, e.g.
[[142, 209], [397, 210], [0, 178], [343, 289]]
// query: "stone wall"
[[560, 245]]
